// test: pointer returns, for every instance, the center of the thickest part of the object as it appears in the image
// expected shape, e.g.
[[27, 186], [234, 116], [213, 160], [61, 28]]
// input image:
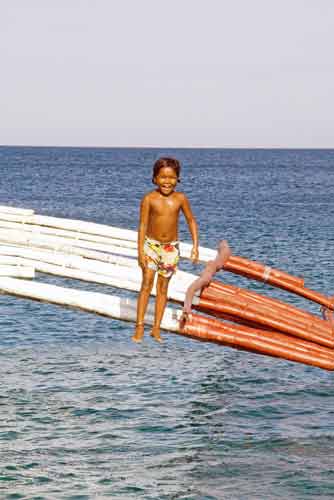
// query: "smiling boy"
[[158, 246]]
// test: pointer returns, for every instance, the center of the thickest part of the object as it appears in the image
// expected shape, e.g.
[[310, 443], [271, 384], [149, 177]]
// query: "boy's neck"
[[163, 194]]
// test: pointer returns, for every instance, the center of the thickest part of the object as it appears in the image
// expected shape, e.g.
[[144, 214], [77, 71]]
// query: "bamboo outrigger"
[[107, 255]]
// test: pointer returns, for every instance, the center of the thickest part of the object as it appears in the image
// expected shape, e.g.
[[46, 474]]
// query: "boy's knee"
[[162, 284], [147, 283]]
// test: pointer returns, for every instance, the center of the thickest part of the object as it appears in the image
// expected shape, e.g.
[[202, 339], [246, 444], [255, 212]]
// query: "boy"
[[158, 246]]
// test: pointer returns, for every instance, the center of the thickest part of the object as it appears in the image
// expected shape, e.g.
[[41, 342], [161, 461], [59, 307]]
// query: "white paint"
[[99, 303]]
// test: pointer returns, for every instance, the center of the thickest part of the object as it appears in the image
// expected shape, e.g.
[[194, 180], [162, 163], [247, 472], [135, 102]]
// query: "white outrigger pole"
[[67, 232], [121, 308], [80, 250]]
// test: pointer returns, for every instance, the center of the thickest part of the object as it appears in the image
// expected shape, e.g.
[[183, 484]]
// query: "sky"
[[182, 73]]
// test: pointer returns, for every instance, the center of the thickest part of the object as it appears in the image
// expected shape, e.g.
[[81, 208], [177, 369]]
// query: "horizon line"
[[168, 147]]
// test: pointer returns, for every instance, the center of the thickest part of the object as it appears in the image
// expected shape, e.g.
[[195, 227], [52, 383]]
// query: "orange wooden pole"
[[277, 308], [261, 271], [254, 270], [273, 336], [263, 309], [253, 341], [262, 299], [261, 316]]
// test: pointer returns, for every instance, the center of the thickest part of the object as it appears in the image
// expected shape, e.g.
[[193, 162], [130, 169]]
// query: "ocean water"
[[86, 414]]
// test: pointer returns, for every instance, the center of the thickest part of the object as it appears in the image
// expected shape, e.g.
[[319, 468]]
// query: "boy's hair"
[[166, 162]]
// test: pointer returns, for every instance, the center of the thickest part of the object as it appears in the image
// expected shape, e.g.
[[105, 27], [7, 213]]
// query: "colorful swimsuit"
[[162, 257]]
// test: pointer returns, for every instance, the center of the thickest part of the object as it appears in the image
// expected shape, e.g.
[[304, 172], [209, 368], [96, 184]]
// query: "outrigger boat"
[[221, 313]]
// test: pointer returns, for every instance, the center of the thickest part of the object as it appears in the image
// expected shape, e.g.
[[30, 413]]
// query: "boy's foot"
[[139, 333], [156, 334]]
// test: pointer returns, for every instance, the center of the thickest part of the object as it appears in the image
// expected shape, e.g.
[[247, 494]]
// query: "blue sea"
[[87, 414]]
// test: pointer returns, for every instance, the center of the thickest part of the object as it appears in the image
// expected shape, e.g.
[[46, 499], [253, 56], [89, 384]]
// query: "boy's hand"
[[194, 255]]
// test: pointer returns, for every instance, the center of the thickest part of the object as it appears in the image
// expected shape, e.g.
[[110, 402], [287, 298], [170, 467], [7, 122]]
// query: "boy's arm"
[[143, 221], [192, 227]]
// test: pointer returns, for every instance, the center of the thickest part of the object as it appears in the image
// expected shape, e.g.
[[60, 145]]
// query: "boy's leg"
[[160, 305], [146, 287]]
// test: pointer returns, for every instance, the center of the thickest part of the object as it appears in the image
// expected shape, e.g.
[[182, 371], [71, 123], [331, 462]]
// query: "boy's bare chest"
[[165, 206]]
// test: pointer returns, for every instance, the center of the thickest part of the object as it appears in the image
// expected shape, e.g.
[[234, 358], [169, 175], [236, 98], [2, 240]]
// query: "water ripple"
[[87, 415]]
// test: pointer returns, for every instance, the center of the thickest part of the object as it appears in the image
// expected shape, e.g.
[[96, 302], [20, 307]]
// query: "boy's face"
[[166, 180]]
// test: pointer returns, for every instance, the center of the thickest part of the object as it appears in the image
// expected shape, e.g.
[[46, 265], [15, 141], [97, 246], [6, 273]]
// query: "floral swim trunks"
[[162, 257]]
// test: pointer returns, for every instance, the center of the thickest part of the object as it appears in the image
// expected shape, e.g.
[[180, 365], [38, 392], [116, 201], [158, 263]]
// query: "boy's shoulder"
[[152, 195], [149, 195], [182, 196]]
